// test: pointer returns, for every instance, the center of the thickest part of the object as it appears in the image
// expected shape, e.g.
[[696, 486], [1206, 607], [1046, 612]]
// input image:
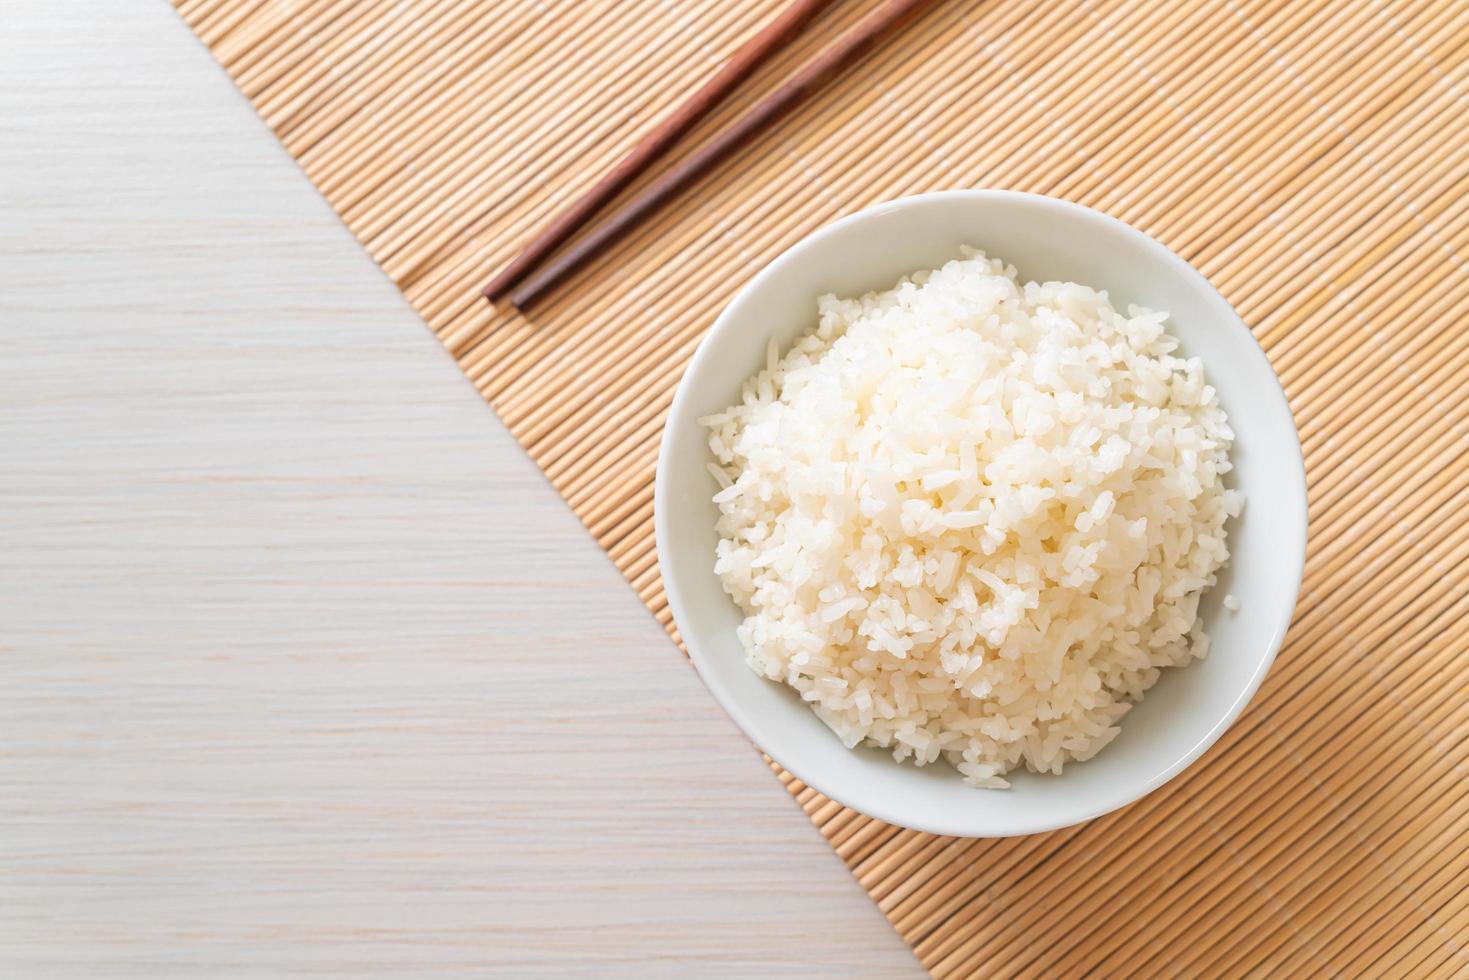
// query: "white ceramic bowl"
[[1045, 239]]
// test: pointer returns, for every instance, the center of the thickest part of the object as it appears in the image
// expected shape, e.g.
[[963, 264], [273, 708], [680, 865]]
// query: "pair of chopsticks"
[[525, 285]]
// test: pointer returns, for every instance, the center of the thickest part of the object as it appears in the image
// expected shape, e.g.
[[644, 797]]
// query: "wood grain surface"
[[304, 670]]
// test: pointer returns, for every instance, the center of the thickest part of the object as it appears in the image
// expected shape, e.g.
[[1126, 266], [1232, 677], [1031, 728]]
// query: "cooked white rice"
[[969, 518]]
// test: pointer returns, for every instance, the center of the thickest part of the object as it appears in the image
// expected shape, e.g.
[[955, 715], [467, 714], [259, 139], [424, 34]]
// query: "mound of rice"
[[972, 519]]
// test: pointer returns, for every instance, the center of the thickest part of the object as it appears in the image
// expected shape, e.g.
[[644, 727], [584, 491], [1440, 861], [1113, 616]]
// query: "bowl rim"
[[749, 721]]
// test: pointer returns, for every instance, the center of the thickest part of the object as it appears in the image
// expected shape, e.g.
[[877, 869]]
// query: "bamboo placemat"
[[1310, 156]]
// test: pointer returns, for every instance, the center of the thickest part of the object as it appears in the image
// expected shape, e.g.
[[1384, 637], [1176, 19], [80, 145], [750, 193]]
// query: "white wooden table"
[[303, 669]]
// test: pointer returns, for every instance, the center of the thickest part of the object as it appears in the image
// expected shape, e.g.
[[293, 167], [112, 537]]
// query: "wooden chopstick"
[[751, 55], [887, 19]]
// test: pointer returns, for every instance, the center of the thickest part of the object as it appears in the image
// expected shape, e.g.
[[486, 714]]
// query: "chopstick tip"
[[505, 280], [522, 298]]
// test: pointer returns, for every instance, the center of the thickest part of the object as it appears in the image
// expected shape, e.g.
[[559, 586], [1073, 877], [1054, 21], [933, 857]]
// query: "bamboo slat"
[[1311, 158]]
